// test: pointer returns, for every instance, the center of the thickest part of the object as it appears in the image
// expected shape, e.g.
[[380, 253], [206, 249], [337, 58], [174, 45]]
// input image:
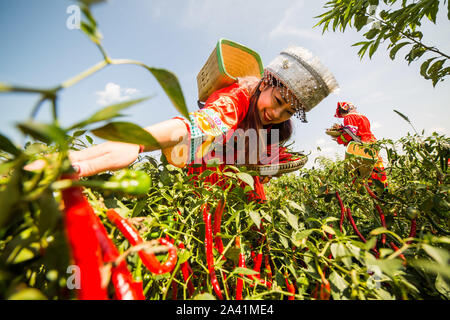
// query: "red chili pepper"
[[372, 194], [148, 259], [153, 264], [341, 221], [383, 223], [413, 230], [325, 290], [315, 291], [125, 286], [187, 271], [174, 290], [257, 265], [217, 224], [355, 228], [83, 241], [324, 293], [241, 264], [290, 288], [209, 252], [268, 271]]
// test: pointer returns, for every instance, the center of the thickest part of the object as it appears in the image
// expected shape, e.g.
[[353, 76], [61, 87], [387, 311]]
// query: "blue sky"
[[37, 49]]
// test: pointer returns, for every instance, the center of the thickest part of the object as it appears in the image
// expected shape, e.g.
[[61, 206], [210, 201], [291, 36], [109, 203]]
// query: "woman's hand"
[[106, 156], [113, 155]]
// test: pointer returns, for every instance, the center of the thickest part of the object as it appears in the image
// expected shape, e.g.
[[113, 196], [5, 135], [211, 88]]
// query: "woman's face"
[[272, 108]]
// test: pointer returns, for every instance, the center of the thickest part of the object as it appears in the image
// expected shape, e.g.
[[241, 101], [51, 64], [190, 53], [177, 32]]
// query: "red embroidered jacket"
[[359, 125]]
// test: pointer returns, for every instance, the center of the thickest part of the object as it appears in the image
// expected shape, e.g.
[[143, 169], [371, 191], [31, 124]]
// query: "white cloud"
[[113, 93]]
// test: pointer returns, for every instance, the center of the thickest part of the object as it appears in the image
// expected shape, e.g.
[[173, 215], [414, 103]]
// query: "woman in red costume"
[[359, 126], [293, 83]]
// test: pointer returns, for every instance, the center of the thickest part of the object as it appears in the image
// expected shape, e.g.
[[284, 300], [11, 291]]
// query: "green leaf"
[[171, 86], [49, 212], [365, 46], [448, 10], [78, 133], [284, 241], [89, 139], [107, 112], [10, 196], [7, 146], [204, 296], [28, 294], [436, 66], [402, 115], [371, 33], [91, 2], [396, 48], [205, 174], [442, 286], [184, 256], [431, 267], [295, 206], [299, 237], [245, 177], [424, 67], [374, 46], [441, 256], [337, 285], [378, 231], [392, 268], [244, 271], [340, 252], [92, 32], [360, 22], [126, 132], [87, 13], [47, 133], [292, 219], [328, 229], [256, 218]]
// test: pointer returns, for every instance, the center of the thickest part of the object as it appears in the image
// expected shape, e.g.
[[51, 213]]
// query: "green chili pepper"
[[132, 182]]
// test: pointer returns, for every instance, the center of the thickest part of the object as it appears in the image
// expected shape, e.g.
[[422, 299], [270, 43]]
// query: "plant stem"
[[70, 82]]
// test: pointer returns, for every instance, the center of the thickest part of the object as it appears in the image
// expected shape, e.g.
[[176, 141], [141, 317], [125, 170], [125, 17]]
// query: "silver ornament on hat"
[[307, 80]]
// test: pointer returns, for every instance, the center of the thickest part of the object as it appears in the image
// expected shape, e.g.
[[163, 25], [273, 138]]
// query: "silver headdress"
[[303, 79]]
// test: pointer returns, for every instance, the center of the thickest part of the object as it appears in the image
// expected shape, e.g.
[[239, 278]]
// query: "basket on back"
[[362, 158], [228, 61]]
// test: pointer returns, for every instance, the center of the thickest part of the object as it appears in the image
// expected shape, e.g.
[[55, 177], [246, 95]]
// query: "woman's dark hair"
[[343, 112], [252, 120]]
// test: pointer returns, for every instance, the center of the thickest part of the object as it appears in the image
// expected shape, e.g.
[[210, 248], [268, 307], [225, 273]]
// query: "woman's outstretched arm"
[[112, 155]]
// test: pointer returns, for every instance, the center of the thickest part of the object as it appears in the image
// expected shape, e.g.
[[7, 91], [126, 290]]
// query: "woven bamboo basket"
[[228, 61], [333, 133], [361, 161], [280, 168]]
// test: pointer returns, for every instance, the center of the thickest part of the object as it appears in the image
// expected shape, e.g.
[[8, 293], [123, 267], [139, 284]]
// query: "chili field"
[[320, 235], [151, 231]]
